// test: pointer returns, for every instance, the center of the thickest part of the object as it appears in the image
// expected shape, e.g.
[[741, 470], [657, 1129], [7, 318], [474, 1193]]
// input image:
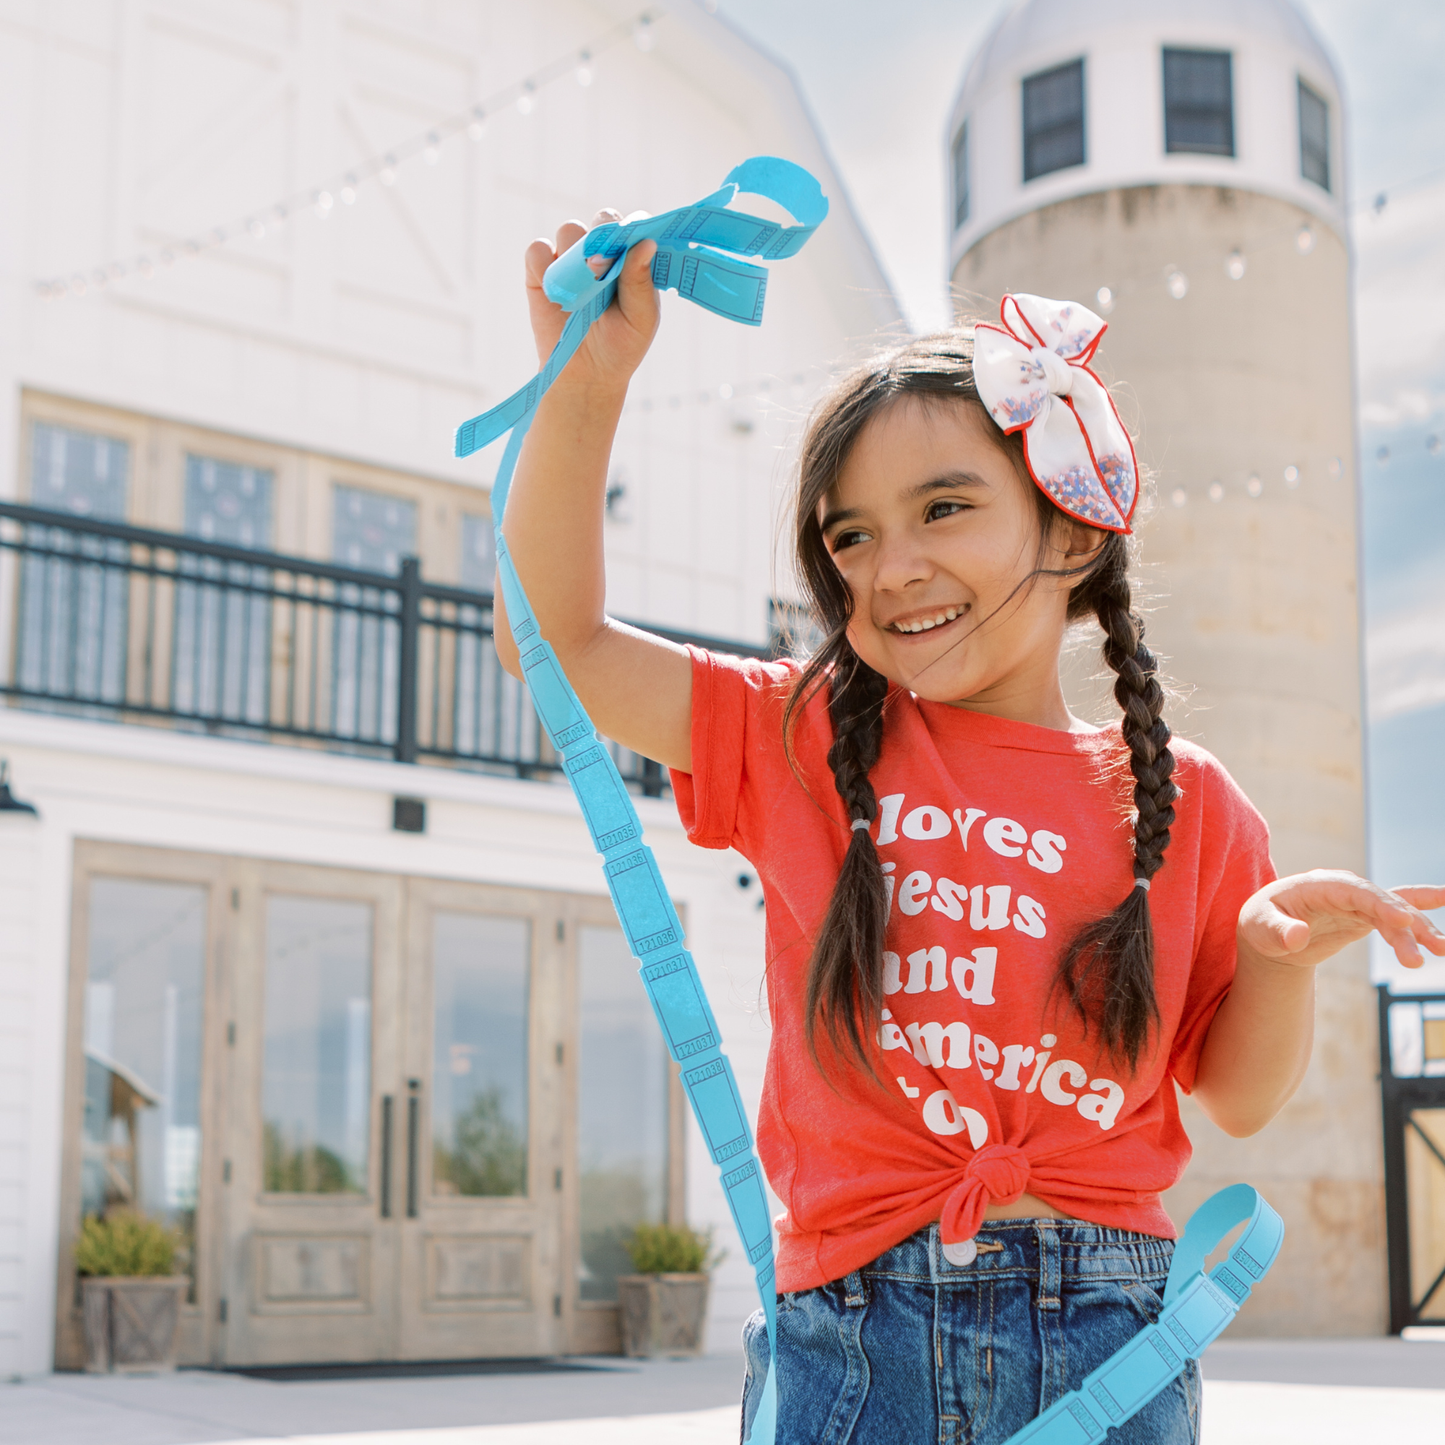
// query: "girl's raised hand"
[[618, 340], [1310, 916]]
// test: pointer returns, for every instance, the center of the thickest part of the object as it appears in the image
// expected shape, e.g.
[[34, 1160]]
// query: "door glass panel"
[[1425, 1191], [480, 977], [622, 1086], [316, 1078], [145, 975]]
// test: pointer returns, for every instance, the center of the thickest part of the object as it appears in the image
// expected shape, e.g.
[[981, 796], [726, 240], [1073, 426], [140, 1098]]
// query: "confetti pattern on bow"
[[1033, 375]]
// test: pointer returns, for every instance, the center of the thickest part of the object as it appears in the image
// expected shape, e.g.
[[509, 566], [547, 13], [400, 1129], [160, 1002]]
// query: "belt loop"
[[853, 1293], [1050, 1264]]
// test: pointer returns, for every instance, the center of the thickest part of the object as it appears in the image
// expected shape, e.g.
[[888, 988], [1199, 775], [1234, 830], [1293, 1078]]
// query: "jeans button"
[[961, 1254]]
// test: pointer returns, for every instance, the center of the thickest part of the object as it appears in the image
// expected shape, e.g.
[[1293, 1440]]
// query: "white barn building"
[[306, 950]]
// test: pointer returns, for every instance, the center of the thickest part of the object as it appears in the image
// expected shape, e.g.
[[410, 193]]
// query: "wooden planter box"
[[662, 1314], [130, 1322]]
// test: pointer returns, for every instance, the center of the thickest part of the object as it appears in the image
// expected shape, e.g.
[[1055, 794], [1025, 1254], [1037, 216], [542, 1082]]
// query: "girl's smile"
[[937, 537]]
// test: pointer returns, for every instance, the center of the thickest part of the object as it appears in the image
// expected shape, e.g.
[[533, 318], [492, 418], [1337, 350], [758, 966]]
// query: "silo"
[[1177, 165]]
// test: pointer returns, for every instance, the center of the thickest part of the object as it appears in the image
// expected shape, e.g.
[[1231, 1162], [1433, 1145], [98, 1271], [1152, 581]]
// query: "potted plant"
[[664, 1304], [130, 1299]]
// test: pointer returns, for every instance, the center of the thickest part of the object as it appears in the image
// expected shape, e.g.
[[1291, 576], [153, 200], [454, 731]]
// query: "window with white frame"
[[1314, 137], [1053, 120], [1198, 102]]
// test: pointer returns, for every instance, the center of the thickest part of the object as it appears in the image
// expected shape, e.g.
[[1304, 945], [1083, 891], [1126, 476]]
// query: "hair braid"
[[845, 979], [1108, 969]]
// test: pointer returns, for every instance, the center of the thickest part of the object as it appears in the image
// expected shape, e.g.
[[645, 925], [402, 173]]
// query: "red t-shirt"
[[999, 841]]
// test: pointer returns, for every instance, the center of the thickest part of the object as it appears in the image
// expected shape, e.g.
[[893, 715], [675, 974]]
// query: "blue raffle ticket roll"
[[701, 254]]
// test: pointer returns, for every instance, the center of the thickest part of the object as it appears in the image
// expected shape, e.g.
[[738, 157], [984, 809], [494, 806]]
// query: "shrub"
[[672, 1249], [125, 1243]]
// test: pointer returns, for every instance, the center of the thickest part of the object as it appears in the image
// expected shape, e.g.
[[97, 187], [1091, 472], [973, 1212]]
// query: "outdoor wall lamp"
[[9, 803]]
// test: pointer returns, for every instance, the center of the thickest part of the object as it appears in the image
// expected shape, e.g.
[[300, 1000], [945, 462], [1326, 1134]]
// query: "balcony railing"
[[133, 625]]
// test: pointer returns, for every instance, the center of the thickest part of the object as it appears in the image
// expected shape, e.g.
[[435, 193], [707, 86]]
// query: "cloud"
[[1405, 661], [1400, 307]]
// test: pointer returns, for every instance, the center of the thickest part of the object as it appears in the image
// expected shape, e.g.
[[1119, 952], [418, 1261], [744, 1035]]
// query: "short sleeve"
[[1234, 864], [737, 711]]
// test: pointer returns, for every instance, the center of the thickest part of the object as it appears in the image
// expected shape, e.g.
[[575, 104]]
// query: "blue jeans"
[[912, 1350]]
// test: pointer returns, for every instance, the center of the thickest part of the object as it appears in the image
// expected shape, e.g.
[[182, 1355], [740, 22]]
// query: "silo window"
[[960, 176], [1314, 137], [1054, 120], [1198, 102]]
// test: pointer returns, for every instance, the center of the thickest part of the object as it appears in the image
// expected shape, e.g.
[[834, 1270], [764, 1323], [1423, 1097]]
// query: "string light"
[[1105, 297], [1216, 492], [1177, 282], [1254, 486], [1291, 477], [1304, 241], [1234, 265], [321, 199]]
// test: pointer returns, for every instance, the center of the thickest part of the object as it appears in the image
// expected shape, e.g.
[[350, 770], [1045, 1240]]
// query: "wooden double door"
[[368, 1105]]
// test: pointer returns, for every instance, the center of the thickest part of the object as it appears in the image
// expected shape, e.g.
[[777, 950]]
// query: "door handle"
[[413, 1121], [386, 1130]]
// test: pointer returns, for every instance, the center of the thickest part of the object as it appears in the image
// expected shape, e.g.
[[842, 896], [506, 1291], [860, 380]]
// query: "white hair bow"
[[1033, 375]]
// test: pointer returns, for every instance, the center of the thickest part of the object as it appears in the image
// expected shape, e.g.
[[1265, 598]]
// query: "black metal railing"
[[144, 626]]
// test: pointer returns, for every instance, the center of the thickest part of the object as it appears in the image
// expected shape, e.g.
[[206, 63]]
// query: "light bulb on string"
[[1432, 444], [432, 152], [1105, 297], [477, 125], [1254, 486], [348, 191], [583, 73], [1177, 282], [1382, 457], [1234, 266], [527, 101], [1304, 240], [256, 228], [1291, 477], [388, 171], [1216, 492], [1179, 496], [1337, 467], [643, 35], [322, 202]]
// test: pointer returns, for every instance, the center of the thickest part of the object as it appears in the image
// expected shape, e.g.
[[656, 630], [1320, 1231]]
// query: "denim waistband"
[[1051, 1251]]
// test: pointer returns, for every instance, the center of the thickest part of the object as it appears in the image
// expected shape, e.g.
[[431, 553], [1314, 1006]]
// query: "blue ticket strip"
[[700, 251], [1197, 1308], [700, 254]]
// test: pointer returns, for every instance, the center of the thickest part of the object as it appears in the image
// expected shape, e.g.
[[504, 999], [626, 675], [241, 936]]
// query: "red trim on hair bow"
[[1033, 375]]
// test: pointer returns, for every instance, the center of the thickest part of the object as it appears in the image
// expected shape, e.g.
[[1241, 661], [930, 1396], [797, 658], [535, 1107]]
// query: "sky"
[[908, 67], [880, 80]]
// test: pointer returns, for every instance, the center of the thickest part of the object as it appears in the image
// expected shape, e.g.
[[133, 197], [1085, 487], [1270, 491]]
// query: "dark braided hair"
[[1107, 971]]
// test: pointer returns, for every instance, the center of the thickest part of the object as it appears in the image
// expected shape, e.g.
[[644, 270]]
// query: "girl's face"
[[936, 534]]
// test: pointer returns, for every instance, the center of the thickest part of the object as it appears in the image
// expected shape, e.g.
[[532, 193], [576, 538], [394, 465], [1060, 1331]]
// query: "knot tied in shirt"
[[997, 1174]]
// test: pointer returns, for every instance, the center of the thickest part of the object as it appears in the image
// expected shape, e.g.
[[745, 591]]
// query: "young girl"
[[992, 954]]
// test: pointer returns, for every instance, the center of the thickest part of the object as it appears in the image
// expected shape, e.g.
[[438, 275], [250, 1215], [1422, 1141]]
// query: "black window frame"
[[1180, 113], [1053, 128], [961, 196], [1307, 152]]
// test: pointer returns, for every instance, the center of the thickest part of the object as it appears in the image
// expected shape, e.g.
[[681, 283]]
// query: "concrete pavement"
[[1257, 1392]]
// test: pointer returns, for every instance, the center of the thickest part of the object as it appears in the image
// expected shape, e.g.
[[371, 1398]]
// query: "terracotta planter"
[[662, 1314], [130, 1322]]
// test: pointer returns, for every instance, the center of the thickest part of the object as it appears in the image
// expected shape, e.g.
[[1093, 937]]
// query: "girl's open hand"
[[619, 338], [1310, 916]]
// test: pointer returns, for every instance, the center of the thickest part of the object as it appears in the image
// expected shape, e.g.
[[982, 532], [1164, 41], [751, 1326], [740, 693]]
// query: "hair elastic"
[[860, 823], [1142, 883]]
